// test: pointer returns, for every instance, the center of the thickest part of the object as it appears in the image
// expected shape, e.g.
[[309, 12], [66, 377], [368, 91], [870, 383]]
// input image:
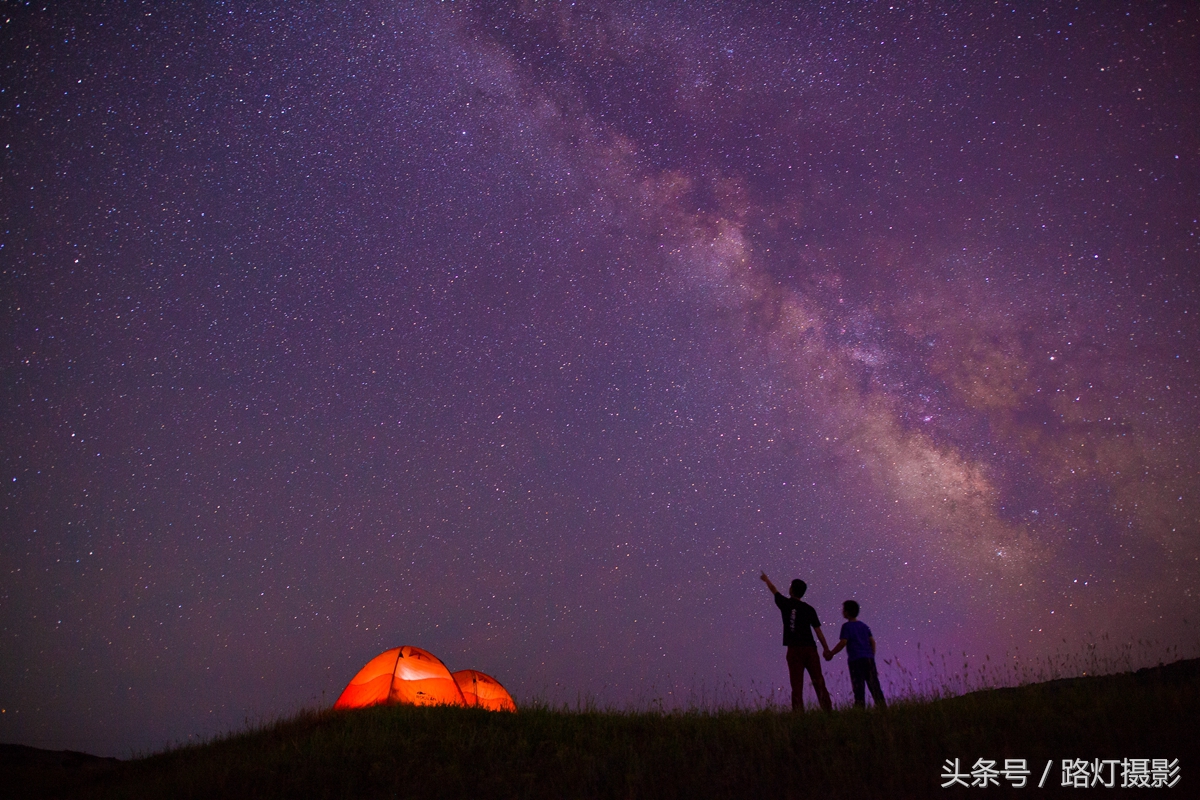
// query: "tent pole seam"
[[392, 682]]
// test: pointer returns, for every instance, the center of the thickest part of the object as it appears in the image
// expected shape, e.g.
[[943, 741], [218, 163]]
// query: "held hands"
[[828, 654]]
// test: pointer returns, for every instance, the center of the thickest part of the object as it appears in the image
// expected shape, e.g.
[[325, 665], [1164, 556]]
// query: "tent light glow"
[[412, 676]]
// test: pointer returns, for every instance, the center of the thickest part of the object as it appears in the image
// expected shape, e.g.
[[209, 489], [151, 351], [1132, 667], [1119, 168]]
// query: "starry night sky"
[[529, 335]]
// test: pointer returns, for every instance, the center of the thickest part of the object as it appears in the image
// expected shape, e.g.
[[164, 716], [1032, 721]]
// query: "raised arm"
[[767, 581]]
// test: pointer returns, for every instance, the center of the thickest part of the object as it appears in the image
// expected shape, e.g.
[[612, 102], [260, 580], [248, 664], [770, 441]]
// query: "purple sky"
[[531, 337]]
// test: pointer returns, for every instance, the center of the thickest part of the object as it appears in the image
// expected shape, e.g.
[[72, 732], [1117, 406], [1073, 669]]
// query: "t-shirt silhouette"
[[799, 618], [858, 639]]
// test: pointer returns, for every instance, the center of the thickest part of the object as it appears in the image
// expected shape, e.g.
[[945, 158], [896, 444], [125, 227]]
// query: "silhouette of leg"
[[813, 663], [795, 662], [876, 689], [858, 679]]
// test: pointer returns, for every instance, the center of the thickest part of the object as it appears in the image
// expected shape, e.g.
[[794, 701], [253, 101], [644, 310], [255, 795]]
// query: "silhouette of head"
[[798, 588], [850, 609]]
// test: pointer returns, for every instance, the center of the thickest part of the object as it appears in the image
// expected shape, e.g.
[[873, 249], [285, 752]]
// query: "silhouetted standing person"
[[860, 656], [799, 623]]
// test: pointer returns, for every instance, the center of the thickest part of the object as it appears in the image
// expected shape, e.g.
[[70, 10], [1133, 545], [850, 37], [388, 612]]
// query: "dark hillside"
[[452, 753]]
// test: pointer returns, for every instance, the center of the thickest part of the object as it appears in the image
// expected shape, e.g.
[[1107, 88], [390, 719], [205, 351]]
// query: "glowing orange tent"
[[402, 675], [481, 690]]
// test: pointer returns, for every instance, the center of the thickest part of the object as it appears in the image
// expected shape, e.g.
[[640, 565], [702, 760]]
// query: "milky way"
[[529, 335]]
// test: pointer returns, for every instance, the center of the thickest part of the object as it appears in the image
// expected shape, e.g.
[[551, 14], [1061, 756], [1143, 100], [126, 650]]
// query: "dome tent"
[[481, 690], [402, 675]]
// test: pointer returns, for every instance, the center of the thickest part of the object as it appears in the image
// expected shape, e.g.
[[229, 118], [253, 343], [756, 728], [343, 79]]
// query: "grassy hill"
[[540, 752]]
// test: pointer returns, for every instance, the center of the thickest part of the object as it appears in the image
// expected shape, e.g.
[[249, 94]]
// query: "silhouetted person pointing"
[[799, 623]]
